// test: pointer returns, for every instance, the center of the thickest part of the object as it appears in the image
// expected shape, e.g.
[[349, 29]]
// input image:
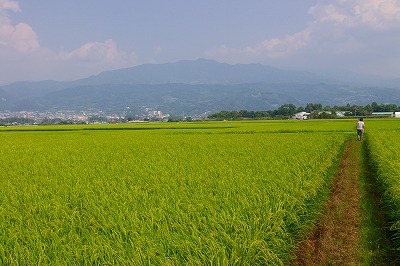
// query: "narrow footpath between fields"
[[338, 237]]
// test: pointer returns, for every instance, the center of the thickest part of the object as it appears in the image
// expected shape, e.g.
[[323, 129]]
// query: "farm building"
[[301, 116], [341, 113], [383, 114], [397, 114]]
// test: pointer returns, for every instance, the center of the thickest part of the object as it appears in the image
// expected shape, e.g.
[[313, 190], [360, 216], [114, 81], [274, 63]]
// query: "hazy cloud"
[[157, 49], [222, 51], [9, 5], [276, 47], [100, 53], [273, 48]]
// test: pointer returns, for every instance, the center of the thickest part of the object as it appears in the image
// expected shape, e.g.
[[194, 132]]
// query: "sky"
[[67, 40]]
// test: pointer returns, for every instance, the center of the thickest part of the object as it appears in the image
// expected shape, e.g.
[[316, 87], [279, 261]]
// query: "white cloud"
[[23, 58], [100, 52], [376, 14], [20, 37]]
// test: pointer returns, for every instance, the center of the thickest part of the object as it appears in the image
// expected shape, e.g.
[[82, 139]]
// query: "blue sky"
[[64, 40]]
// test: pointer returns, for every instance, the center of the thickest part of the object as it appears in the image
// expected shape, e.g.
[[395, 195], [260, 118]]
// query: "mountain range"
[[197, 87]]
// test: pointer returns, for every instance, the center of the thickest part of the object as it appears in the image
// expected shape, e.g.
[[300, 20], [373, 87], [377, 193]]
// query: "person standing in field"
[[360, 129]]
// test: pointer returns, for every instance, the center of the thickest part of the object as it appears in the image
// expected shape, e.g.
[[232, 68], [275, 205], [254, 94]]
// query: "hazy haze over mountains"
[[196, 87]]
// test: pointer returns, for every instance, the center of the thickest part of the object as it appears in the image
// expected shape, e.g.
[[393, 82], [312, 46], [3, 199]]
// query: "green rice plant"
[[238, 195], [384, 149]]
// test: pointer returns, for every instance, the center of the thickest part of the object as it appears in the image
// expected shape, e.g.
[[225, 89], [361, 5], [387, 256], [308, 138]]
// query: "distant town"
[[8, 118]]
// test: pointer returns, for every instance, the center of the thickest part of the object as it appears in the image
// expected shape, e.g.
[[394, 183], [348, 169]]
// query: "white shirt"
[[360, 124]]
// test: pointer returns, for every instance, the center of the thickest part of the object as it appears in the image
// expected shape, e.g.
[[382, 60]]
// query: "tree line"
[[316, 110]]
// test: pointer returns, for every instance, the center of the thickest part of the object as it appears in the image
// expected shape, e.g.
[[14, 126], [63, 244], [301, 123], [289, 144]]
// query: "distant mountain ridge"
[[200, 71], [194, 87]]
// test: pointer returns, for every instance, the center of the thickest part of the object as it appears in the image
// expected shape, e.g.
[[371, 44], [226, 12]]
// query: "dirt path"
[[335, 240]]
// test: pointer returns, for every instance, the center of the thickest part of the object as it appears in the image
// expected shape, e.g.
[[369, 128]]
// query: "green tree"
[[286, 110]]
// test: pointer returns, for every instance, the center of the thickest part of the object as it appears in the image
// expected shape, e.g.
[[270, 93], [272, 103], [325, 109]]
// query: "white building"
[[341, 113], [383, 114], [301, 116], [397, 114]]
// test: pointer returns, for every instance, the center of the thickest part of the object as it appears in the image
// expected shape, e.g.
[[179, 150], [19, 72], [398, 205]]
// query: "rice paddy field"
[[172, 194], [384, 148]]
